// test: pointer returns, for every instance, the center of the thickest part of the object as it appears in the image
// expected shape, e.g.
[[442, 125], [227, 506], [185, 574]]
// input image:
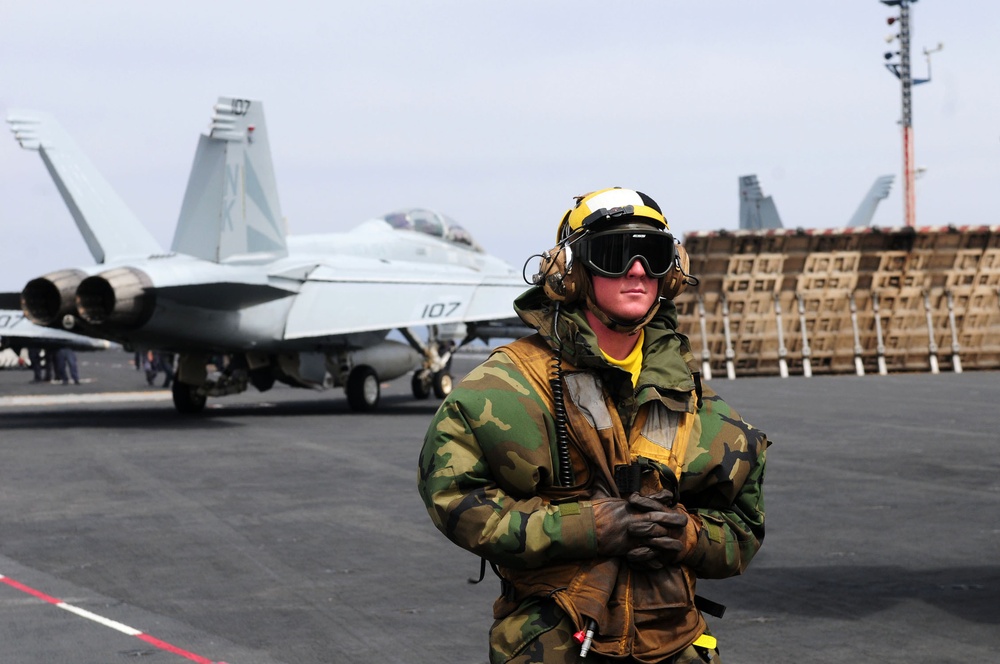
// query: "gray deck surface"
[[281, 527]]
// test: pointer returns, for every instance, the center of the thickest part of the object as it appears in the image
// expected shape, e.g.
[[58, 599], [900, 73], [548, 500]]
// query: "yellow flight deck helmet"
[[607, 205], [607, 230]]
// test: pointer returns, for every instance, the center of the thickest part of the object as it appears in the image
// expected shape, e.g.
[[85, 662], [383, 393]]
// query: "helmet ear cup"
[[677, 279], [559, 278]]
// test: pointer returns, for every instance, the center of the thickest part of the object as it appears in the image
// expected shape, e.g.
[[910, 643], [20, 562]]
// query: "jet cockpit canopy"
[[434, 224]]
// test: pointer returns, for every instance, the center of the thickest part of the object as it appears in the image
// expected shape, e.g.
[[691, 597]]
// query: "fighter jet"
[[758, 212], [235, 293]]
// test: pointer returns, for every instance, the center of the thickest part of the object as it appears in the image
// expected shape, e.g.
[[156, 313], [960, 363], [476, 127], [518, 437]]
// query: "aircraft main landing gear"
[[187, 398], [363, 389]]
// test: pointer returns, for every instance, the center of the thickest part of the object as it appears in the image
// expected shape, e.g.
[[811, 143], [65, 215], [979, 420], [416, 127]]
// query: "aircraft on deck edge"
[[310, 311], [758, 212], [17, 332]]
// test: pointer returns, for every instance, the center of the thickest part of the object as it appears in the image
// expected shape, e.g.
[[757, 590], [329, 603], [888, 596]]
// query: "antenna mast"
[[901, 70]]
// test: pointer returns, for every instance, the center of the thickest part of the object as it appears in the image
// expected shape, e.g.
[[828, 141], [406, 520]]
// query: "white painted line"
[[64, 399], [107, 622]]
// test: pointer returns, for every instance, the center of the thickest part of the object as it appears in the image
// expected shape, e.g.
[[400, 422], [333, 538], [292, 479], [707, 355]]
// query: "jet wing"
[[16, 331], [395, 296]]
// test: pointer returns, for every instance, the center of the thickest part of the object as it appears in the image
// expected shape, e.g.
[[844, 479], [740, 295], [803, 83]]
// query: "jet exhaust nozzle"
[[47, 299], [116, 298]]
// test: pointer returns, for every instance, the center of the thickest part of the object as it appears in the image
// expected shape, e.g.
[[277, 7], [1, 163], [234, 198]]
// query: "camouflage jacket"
[[489, 473]]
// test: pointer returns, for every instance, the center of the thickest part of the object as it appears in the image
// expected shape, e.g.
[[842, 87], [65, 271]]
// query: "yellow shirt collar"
[[632, 363]]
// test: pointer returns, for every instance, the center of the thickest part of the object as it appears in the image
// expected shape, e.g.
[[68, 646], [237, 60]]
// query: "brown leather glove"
[[638, 533], [664, 547]]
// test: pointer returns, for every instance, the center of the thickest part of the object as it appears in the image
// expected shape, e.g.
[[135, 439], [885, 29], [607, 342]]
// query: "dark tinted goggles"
[[611, 253]]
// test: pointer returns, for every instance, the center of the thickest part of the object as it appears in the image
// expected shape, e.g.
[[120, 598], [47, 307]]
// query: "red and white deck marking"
[[107, 622]]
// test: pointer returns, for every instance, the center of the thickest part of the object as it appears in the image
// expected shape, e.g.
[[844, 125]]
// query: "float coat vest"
[[648, 614]]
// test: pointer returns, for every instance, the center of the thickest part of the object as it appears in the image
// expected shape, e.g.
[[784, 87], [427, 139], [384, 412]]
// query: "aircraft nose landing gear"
[[442, 383], [424, 381], [434, 374]]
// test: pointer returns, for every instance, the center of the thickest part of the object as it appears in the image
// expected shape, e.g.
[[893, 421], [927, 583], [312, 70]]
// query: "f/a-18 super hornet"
[[758, 212], [310, 311]]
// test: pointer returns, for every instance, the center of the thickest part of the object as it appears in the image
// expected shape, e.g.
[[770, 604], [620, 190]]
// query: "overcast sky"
[[498, 113]]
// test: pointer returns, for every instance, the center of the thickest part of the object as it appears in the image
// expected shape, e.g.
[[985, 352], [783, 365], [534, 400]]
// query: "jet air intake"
[[47, 299], [116, 298]]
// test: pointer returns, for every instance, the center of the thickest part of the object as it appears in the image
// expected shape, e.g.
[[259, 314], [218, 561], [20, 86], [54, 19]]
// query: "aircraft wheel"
[[442, 384], [262, 378], [421, 386], [187, 399], [363, 390]]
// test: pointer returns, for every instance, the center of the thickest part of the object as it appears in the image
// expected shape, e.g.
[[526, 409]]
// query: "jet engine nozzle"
[[116, 298], [47, 299]]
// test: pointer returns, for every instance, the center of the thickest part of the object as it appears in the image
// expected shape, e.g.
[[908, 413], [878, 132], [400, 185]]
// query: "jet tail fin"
[[110, 229], [865, 212], [757, 211], [231, 208]]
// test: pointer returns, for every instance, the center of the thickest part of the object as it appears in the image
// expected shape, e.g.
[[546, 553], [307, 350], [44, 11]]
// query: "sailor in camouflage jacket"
[[489, 478]]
